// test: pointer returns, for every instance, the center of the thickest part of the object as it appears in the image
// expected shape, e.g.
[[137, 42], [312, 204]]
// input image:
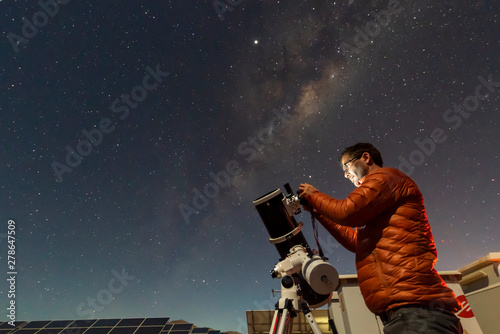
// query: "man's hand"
[[306, 190]]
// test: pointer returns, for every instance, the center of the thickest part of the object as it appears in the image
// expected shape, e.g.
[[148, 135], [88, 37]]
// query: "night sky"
[[136, 134]]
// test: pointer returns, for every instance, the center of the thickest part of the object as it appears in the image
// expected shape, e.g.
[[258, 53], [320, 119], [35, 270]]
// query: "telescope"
[[307, 280]]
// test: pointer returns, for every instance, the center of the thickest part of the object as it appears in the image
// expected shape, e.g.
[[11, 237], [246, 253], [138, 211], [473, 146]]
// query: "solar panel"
[[149, 330], [36, 324], [155, 321], [104, 326], [101, 330], [82, 323], [49, 331], [130, 322], [5, 327], [123, 330], [181, 327], [106, 322], [59, 324]]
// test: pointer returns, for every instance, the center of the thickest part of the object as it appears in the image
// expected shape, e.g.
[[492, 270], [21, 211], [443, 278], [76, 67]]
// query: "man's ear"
[[368, 158]]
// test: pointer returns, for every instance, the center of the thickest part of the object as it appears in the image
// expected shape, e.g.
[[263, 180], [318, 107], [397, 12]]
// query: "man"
[[393, 243]]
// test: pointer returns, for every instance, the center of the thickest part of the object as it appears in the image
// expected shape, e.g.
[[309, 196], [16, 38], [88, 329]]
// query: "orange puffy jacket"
[[392, 239]]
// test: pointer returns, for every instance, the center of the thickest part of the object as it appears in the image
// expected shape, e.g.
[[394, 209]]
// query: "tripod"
[[287, 307]]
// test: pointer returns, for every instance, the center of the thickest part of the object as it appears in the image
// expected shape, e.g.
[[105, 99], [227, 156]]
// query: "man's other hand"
[[306, 190]]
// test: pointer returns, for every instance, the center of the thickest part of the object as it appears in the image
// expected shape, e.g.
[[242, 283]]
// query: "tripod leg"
[[309, 318], [312, 322], [272, 330], [281, 322], [284, 319]]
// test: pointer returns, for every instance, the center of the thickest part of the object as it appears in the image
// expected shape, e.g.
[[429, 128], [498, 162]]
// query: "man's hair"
[[360, 148]]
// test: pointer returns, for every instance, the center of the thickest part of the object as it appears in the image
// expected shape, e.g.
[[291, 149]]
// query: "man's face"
[[355, 168]]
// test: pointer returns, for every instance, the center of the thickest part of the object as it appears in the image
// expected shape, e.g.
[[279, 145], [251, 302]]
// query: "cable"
[[316, 237]]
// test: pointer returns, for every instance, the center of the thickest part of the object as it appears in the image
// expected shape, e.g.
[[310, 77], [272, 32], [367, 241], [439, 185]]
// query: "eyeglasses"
[[347, 163]]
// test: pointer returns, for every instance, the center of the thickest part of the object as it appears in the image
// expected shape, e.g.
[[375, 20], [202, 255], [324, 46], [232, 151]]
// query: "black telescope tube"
[[278, 222]]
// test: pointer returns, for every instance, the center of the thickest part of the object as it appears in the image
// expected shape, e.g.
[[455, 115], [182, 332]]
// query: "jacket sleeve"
[[375, 195], [346, 236]]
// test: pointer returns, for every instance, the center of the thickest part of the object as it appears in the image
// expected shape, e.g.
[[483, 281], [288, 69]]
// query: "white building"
[[477, 286]]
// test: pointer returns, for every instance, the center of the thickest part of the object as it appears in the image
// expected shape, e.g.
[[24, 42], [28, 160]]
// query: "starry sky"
[[135, 136]]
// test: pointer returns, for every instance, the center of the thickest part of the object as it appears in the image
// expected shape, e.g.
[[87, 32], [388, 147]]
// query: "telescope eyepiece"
[[288, 189]]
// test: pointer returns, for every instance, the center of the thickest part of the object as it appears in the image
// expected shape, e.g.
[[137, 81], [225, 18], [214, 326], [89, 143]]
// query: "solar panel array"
[[104, 326]]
